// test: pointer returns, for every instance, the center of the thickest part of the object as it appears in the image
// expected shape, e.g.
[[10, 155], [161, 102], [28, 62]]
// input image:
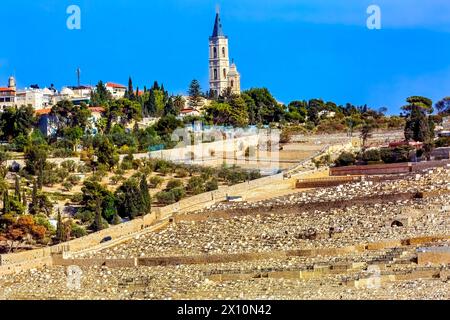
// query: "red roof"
[[42, 112], [186, 111], [97, 109], [115, 85], [7, 90]]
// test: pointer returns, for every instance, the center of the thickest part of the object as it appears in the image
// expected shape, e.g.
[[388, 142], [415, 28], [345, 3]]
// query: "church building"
[[222, 75]]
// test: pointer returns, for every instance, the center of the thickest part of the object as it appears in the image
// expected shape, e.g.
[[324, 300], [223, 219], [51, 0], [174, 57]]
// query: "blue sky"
[[298, 49]]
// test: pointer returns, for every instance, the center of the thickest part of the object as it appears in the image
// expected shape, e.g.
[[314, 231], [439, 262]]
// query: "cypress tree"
[[34, 201], [17, 192], [24, 198], [6, 204], [60, 232], [98, 221], [40, 179], [130, 91], [145, 195]]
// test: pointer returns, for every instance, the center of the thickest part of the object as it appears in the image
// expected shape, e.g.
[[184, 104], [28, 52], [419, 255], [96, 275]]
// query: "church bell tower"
[[219, 61]]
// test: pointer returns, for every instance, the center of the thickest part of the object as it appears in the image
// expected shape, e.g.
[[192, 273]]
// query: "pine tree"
[[60, 228], [195, 94]]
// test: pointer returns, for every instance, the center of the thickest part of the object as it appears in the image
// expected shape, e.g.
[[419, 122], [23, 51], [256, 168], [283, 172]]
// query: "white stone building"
[[117, 90], [221, 75]]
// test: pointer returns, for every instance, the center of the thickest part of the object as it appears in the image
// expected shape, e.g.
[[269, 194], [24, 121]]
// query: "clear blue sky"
[[298, 49]]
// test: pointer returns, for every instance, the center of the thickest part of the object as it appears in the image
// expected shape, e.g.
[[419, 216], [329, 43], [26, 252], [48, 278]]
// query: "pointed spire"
[[218, 31]]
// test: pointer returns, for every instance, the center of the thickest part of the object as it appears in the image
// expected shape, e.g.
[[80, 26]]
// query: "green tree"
[[129, 199], [60, 228], [17, 191], [195, 94], [262, 106], [443, 106], [16, 121], [100, 97], [106, 153], [145, 195]]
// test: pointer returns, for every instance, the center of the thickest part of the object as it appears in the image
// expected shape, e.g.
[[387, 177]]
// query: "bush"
[[195, 185], [69, 165], [372, 155], [345, 159], [126, 165], [442, 142], [74, 179], [77, 198], [82, 168], [212, 185], [116, 179], [77, 231], [85, 216], [182, 173], [174, 183], [156, 182], [178, 193], [67, 186], [63, 153], [166, 198]]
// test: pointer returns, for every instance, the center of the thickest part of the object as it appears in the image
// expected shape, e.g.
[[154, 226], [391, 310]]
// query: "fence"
[[325, 182], [384, 169]]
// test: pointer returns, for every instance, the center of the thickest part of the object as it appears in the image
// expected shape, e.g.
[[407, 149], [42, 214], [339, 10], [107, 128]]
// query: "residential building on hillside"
[[117, 90]]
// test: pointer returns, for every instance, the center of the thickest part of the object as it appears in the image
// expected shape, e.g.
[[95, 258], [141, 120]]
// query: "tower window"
[[232, 83], [223, 52], [215, 74], [225, 73], [215, 52]]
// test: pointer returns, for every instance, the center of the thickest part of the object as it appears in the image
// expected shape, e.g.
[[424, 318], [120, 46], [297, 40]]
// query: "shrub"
[[69, 165], [62, 153], [83, 168], [156, 182], [77, 231], [345, 159], [116, 179], [67, 186], [74, 179], [77, 198], [178, 193], [174, 183], [195, 185], [165, 197], [85, 216], [372, 155], [182, 173], [212, 185], [126, 165]]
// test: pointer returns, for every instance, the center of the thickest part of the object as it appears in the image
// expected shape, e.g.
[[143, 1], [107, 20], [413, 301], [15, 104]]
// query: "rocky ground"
[[281, 229]]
